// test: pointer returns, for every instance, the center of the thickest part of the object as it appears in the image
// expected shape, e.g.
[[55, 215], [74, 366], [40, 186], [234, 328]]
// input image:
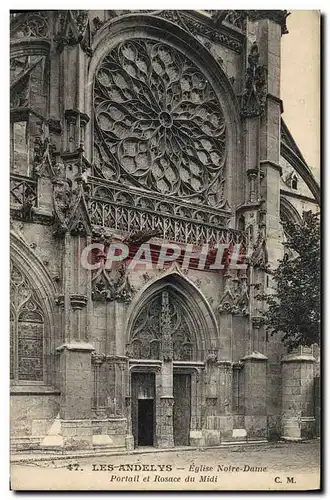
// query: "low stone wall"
[[32, 415]]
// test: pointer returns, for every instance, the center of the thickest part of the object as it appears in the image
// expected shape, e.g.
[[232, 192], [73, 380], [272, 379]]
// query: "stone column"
[[127, 392], [268, 35], [166, 439], [98, 362], [225, 309], [129, 439], [165, 413], [76, 395], [225, 390], [224, 363], [76, 373], [298, 420], [255, 378], [72, 226]]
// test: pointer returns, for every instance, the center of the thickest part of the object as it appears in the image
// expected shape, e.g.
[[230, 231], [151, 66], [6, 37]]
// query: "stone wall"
[[33, 414]]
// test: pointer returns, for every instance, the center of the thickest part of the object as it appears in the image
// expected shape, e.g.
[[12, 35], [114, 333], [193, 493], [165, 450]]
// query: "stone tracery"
[[159, 123], [161, 323], [27, 330]]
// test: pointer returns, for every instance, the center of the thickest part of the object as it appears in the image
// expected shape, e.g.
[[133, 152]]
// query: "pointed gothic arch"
[[171, 318], [32, 331]]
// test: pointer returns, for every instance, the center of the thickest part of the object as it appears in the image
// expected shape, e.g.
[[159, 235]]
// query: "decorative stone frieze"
[[111, 206]]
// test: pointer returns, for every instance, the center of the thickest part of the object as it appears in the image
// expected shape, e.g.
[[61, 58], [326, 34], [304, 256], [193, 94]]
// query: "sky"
[[300, 83]]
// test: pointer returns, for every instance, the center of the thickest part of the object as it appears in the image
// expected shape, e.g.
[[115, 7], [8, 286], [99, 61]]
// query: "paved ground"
[[237, 464]]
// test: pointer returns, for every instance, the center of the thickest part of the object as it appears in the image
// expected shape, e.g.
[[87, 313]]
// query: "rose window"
[[158, 122]]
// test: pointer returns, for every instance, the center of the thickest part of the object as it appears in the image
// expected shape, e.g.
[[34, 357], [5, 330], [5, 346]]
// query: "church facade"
[[145, 128]]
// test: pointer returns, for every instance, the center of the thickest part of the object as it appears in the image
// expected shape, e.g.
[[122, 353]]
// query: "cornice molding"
[[277, 16], [276, 99]]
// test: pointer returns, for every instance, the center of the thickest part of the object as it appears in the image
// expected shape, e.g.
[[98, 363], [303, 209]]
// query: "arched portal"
[[171, 333]]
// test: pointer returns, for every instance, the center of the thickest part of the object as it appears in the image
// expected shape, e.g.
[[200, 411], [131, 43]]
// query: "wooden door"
[[181, 409]]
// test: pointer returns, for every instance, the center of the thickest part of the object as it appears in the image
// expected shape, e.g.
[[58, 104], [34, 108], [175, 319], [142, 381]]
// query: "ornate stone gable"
[[194, 22], [158, 123], [112, 285], [73, 28], [70, 192]]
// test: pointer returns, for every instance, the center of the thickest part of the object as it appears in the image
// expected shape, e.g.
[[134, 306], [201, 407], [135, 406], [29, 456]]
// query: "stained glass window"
[[26, 331]]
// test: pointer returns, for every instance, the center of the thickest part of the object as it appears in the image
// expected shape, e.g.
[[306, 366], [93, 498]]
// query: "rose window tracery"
[[158, 122]]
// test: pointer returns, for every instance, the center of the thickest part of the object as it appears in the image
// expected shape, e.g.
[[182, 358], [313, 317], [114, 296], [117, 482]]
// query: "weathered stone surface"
[[173, 156]]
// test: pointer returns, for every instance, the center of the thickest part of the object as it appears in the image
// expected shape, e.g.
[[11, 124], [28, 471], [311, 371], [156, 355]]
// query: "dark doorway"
[[145, 422], [143, 408], [181, 409]]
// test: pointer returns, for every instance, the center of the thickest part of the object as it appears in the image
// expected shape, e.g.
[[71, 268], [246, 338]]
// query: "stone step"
[[65, 455], [103, 448], [25, 445]]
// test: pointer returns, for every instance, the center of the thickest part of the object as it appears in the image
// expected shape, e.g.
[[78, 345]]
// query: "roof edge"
[[291, 152]]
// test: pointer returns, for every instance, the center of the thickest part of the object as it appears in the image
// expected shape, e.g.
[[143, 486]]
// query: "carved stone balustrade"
[[130, 210]]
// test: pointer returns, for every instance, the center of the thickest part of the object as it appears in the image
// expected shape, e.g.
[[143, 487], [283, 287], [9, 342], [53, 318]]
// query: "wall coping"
[[291, 358], [76, 346], [254, 356]]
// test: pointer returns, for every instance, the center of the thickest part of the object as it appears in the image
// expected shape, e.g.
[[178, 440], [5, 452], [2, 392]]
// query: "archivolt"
[[192, 303]]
